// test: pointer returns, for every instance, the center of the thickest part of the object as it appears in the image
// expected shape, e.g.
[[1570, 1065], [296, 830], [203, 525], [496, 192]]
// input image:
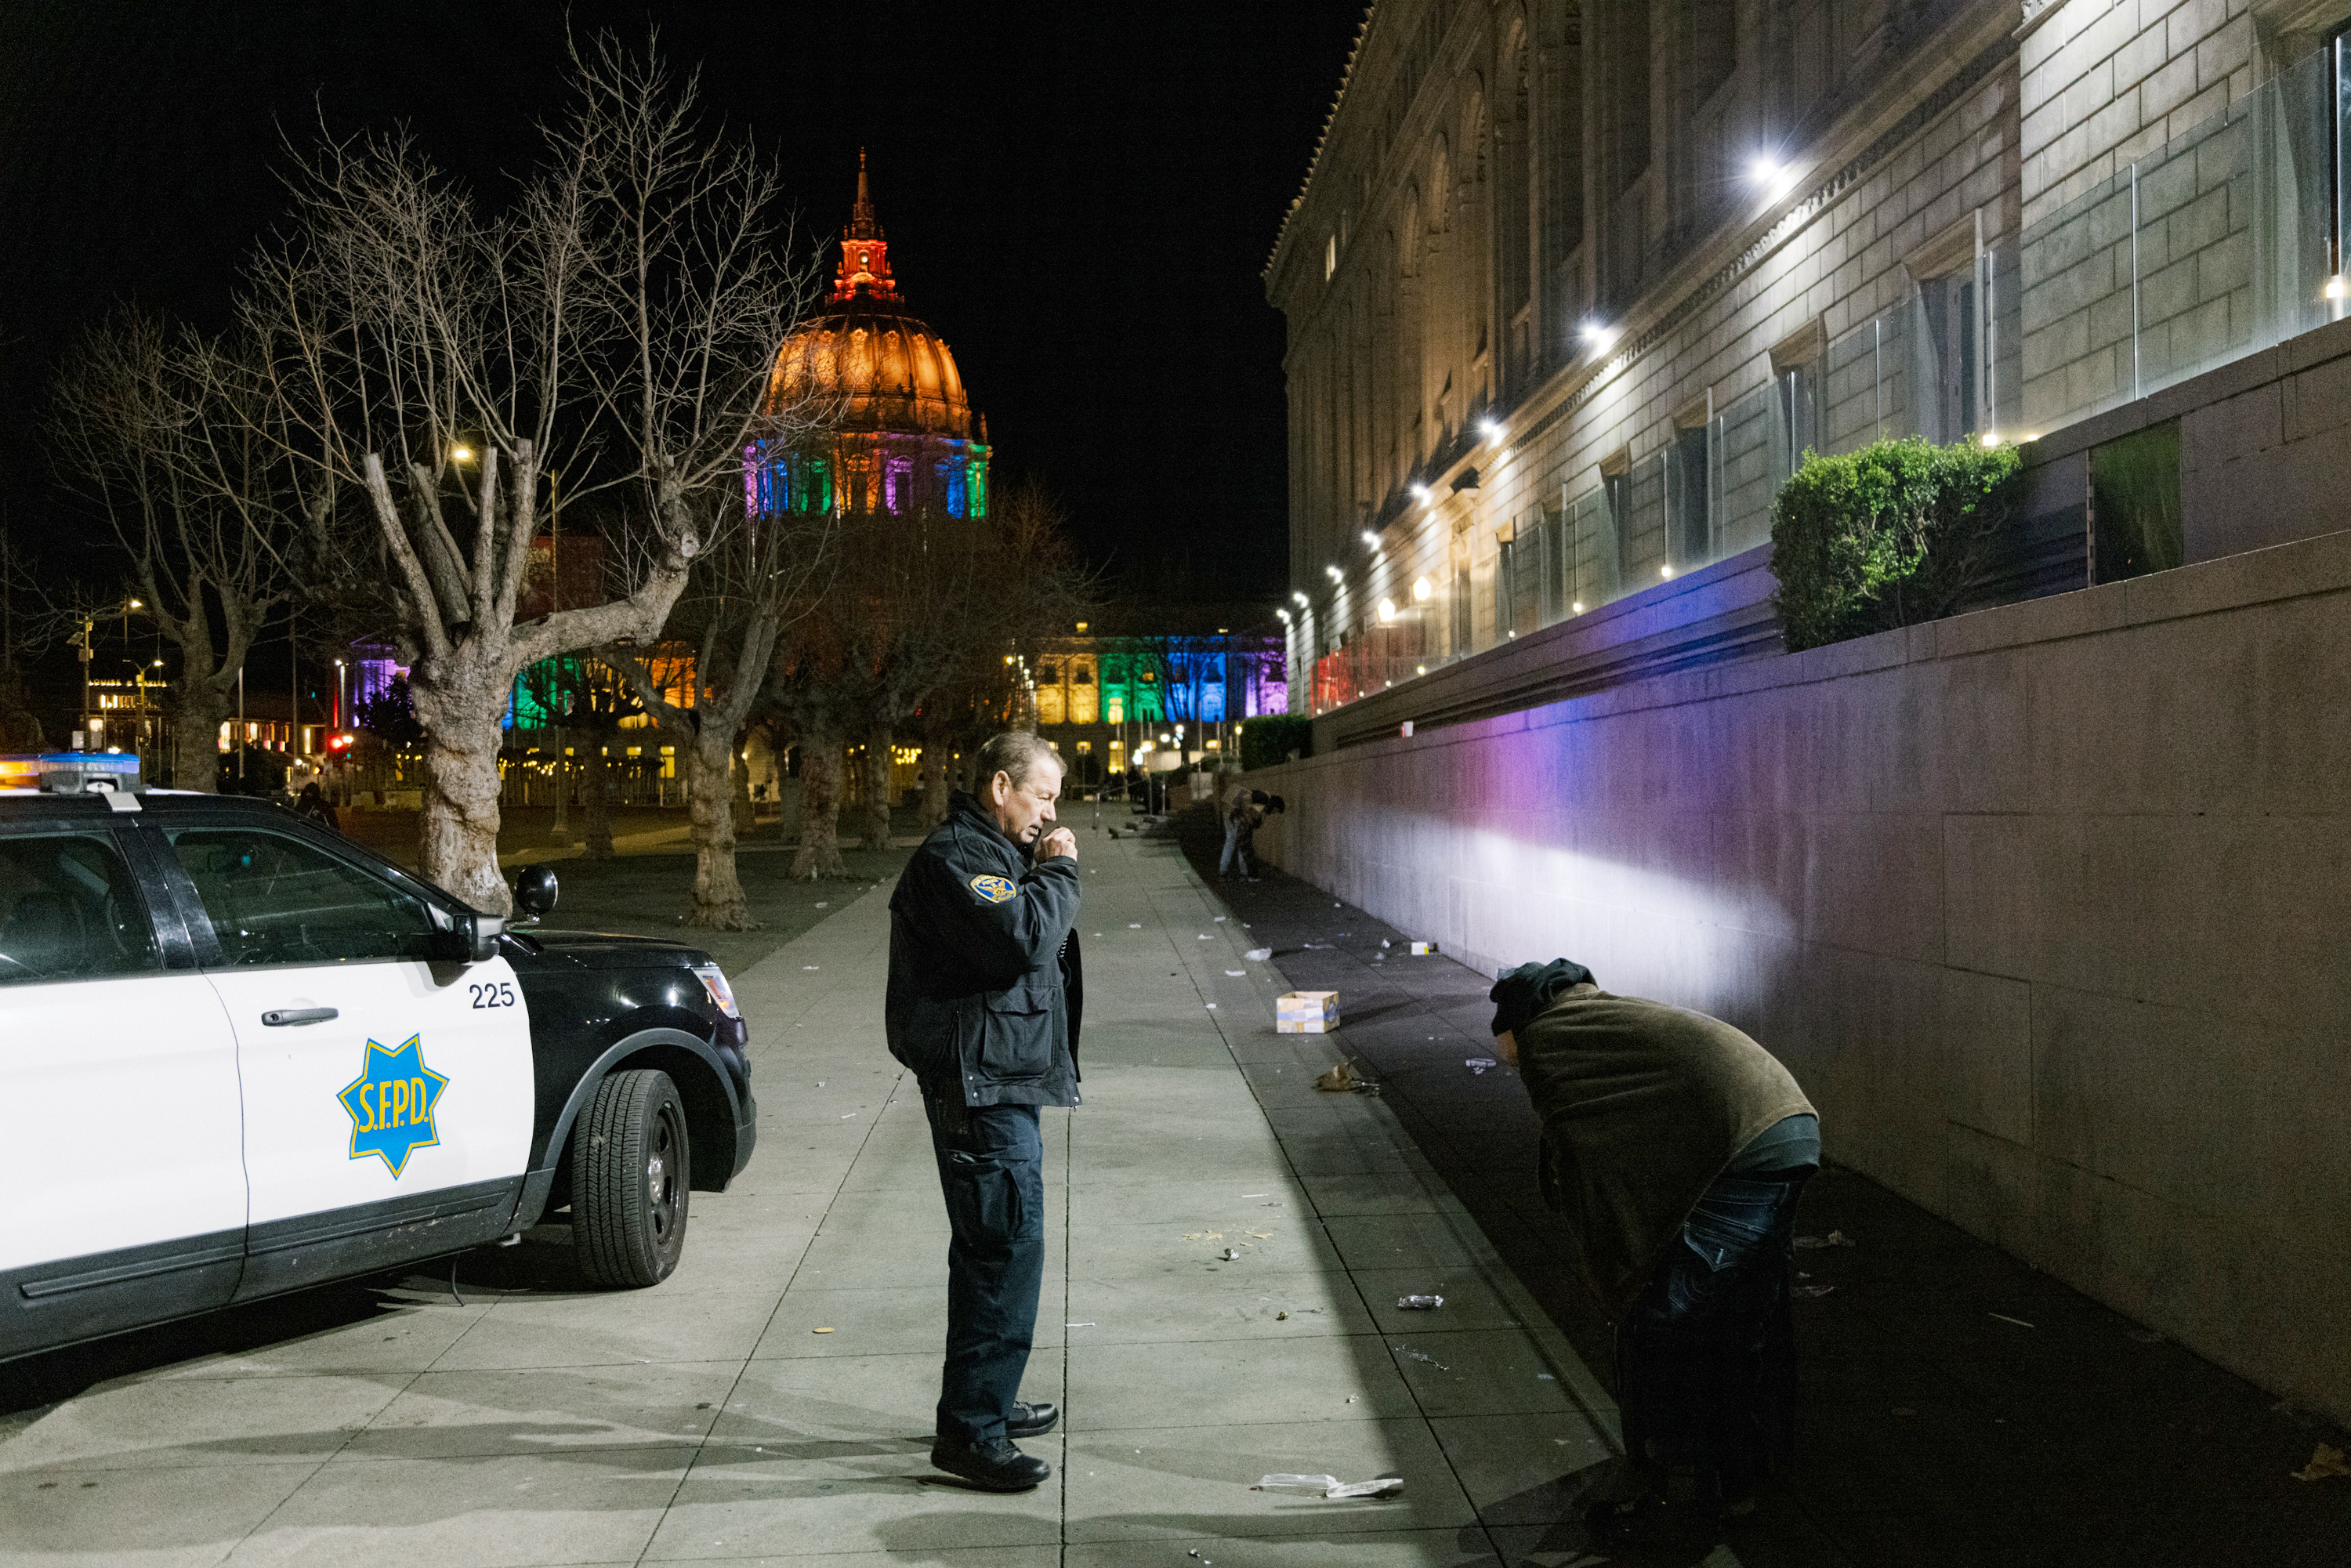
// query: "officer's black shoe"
[[992, 1466], [1029, 1420]]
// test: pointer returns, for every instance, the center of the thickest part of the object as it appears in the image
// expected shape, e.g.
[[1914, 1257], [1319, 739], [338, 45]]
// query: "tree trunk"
[[195, 737], [596, 802], [877, 785], [934, 780], [562, 834], [718, 904], [746, 820], [458, 843], [819, 851]]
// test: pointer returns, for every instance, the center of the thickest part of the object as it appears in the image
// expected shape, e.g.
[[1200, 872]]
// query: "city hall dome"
[[878, 366]]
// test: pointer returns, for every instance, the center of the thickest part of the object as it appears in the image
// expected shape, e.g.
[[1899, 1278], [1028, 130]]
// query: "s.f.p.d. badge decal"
[[392, 1104], [995, 888]]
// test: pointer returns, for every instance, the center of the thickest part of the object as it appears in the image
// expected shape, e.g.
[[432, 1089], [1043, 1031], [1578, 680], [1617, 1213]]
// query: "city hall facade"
[[1572, 288]]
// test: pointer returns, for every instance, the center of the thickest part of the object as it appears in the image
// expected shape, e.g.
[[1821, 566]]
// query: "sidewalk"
[[1956, 1408], [708, 1419]]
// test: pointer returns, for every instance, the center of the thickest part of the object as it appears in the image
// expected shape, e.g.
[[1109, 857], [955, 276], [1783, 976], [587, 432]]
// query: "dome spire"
[[864, 254]]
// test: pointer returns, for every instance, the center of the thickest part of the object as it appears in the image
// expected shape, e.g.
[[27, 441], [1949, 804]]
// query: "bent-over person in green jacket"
[[1677, 1148]]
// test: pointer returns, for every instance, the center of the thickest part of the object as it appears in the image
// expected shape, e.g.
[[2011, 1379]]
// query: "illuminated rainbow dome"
[[900, 433]]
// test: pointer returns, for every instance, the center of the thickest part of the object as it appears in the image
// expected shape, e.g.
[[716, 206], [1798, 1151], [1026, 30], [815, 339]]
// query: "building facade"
[[1155, 689], [1572, 287]]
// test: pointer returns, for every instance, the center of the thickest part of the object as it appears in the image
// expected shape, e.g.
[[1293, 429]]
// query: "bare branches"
[[161, 430], [610, 331]]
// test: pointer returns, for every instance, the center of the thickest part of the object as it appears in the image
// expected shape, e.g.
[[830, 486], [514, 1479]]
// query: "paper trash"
[[1331, 1486], [1424, 949]]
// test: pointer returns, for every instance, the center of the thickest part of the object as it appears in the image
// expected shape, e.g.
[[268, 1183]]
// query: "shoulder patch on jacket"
[[994, 889]]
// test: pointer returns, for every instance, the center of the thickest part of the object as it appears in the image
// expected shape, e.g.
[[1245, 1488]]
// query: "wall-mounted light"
[[1371, 539], [2337, 288], [1387, 610], [1491, 429], [1335, 573], [1420, 492], [1665, 571], [1596, 336], [1420, 588], [1576, 608], [1298, 596], [1285, 616], [1771, 176]]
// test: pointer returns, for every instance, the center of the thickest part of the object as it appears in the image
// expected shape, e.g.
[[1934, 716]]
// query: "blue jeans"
[[990, 1169], [1705, 1356], [1235, 849]]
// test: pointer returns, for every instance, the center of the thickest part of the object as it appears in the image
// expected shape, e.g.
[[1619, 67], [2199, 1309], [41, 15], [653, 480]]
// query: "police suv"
[[240, 1055]]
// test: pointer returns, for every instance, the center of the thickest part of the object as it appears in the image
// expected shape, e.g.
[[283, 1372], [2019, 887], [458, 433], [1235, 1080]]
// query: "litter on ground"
[[1834, 1238], [1236, 971], [2327, 1461], [1331, 1486], [2004, 1317], [1810, 1292], [1258, 955], [1420, 1303], [1338, 1080], [1478, 1064]]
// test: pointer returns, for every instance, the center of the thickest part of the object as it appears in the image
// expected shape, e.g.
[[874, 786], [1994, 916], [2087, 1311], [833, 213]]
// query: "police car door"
[[388, 1091], [121, 1156]]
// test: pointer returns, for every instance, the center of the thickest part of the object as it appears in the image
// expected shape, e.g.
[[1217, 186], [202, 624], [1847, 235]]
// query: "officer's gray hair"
[[1015, 752]]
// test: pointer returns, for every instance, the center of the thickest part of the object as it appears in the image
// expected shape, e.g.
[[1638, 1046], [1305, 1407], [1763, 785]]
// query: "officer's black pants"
[[990, 1169]]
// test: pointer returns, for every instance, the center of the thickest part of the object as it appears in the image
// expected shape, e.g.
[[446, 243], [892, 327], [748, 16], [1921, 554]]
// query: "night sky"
[[1078, 198]]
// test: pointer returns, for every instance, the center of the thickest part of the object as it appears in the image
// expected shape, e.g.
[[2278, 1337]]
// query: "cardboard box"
[[1306, 1012], [1423, 948]]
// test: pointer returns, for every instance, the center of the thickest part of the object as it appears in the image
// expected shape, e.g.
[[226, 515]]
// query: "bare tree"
[[758, 574], [615, 323], [165, 433]]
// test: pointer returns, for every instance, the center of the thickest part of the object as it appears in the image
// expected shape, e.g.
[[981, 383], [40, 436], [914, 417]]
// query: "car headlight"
[[714, 982]]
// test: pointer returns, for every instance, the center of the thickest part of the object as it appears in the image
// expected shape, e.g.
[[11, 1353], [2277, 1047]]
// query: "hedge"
[[1892, 535], [1272, 737]]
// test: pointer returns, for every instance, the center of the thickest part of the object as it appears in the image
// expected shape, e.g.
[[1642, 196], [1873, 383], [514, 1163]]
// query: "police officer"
[[983, 1007]]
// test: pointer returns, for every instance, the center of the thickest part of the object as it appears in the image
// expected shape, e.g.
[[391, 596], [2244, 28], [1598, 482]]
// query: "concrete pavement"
[[538, 1423]]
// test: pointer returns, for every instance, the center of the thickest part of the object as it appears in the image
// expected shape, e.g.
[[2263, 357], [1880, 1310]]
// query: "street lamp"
[[82, 649]]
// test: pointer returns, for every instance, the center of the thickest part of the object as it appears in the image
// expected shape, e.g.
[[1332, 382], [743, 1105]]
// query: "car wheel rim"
[[660, 1175]]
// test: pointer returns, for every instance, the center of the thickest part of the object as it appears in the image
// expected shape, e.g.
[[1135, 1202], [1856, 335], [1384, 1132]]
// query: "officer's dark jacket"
[[985, 986]]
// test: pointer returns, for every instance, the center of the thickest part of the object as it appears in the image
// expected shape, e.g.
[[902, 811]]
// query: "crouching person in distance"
[[1677, 1148], [985, 994]]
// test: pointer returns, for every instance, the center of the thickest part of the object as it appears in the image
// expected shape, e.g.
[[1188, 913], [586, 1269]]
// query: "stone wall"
[[2044, 906]]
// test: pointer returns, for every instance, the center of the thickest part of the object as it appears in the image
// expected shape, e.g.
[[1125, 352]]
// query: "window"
[[71, 910], [277, 900], [1796, 412], [1080, 676], [1949, 355], [1690, 540], [1049, 673]]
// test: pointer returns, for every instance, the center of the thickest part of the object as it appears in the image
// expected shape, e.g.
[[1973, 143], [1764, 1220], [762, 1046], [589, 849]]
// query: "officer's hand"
[[1060, 841]]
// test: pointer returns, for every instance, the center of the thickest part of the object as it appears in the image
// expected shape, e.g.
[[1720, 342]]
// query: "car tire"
[[632, 1168]]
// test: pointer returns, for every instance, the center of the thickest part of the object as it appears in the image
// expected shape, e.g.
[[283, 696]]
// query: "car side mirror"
[[481, 933], [535, 891]]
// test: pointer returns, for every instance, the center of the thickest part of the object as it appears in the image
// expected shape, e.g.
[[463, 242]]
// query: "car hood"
[[604, 950]]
